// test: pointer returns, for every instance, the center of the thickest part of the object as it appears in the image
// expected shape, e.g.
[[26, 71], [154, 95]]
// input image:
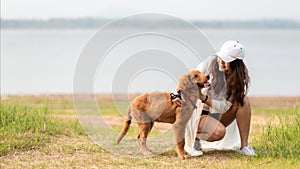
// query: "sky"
[[185, 9]]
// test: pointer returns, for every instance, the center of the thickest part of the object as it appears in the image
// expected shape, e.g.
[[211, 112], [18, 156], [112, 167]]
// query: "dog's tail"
[[126, 125]]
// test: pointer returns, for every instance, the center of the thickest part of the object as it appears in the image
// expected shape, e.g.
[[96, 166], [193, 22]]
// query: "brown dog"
[[157, 107]]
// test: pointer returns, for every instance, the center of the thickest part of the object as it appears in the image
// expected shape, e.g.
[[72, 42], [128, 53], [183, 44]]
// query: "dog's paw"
[[147, 153], [184, 157]]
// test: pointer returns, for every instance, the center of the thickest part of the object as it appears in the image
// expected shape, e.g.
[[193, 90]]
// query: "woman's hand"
[[177, 101]]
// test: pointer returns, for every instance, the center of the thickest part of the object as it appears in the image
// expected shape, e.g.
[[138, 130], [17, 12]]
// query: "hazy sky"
[[193, 9]]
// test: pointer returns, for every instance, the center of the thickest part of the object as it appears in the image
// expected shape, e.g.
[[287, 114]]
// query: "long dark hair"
[[237, 81]]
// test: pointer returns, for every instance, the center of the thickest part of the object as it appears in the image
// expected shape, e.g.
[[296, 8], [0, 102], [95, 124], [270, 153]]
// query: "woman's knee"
[[246, 101], [219, 133]]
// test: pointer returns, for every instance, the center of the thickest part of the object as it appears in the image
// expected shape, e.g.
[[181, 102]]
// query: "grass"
[[267, 112], [281, 140], [115, 109], [34, 133], [23, 128]]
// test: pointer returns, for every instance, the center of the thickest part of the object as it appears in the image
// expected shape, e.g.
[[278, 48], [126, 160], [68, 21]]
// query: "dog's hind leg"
[[145, 129], [126, 125]]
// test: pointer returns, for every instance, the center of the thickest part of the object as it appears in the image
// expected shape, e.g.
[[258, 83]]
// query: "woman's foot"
[[197, 144], [248, 150], [192, 152]]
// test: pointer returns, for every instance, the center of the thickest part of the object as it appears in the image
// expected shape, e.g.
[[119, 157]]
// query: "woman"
[[225, 101]]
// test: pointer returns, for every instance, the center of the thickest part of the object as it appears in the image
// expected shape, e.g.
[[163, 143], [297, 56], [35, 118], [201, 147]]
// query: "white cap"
[[231, 50]]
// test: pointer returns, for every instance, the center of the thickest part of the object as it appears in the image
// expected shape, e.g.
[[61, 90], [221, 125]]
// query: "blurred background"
[[41, 41]]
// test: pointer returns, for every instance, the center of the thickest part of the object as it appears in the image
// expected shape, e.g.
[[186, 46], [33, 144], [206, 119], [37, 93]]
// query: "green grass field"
[[38, 132]]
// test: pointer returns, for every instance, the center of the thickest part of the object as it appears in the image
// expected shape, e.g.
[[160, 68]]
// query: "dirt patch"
[[275, 102], [118, 121]]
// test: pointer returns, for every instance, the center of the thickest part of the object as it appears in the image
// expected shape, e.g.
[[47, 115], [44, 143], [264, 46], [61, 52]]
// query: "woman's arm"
[[204, 100], [221, 106]]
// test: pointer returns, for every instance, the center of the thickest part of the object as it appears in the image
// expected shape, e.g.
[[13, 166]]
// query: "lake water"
[[44, 61]]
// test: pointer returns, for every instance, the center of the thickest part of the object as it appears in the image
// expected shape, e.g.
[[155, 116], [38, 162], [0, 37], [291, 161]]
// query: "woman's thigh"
[[228, 117]]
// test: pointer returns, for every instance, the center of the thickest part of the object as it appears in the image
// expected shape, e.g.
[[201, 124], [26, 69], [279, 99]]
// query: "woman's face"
[[223, 66]]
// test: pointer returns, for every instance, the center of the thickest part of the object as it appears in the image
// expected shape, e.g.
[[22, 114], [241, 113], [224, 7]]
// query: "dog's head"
[[198, 78], [193, 79]]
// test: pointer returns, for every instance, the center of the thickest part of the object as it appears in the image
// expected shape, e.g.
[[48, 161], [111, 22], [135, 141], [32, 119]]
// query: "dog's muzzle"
[[204, 85], [200, 85]]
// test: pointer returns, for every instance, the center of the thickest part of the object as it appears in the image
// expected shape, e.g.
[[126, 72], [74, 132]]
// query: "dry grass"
[[257, 102], [275, 102], [79, 151]]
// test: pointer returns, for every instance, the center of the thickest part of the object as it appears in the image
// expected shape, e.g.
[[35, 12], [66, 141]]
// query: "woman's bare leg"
[[242, 114], [210, 129]]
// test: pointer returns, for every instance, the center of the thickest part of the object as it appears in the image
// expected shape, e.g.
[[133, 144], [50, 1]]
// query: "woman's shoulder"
[[209, 59], [206, 63]]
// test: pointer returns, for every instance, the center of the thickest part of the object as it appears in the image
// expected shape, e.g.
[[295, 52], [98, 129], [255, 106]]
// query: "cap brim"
[[225, 57]]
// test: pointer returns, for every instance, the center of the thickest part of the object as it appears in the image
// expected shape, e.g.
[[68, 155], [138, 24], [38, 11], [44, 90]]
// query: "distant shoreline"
[[90, 23]]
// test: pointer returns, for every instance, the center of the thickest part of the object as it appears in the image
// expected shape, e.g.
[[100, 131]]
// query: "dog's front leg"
[[179, 133]]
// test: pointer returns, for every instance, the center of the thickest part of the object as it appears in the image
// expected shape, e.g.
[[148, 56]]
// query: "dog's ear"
[[184, 81], [187, 81], [194, 75]]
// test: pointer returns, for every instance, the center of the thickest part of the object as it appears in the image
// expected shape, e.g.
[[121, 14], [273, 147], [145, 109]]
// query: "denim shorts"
[[213, 115]]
